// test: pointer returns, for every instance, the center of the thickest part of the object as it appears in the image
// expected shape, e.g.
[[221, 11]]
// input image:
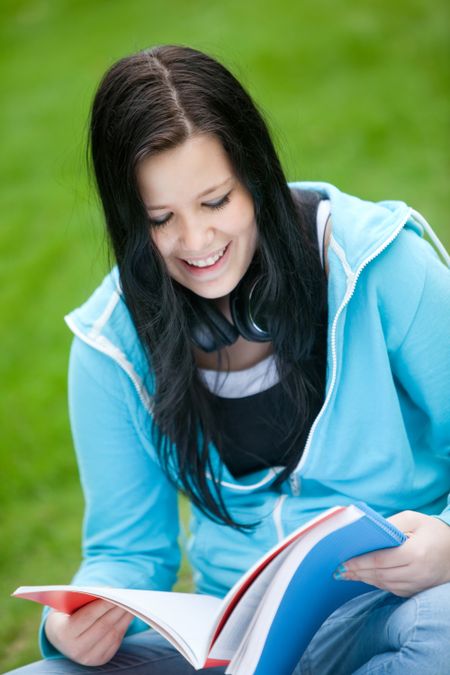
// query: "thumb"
[[406, 521]]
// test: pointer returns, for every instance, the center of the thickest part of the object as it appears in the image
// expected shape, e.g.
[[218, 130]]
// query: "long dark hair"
[[147, 103]]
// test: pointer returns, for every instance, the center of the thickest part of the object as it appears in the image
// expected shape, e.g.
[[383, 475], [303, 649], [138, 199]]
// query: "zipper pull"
[[295, 484]]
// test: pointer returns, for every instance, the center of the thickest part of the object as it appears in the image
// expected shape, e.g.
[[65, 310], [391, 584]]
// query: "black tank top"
[[254, 428]]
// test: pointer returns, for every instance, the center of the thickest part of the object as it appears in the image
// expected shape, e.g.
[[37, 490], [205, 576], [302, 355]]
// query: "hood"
[[361, 227]]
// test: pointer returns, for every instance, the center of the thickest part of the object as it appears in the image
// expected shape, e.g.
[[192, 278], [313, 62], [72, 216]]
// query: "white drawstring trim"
[[433, 236]]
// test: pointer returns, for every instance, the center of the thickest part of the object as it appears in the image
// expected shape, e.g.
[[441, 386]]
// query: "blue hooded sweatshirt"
[[382, 435]]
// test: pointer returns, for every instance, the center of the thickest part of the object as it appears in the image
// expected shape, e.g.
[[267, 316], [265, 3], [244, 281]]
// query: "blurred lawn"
[[355, 93]]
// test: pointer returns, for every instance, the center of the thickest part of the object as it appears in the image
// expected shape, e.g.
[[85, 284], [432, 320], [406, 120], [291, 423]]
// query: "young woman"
[[269, 349]]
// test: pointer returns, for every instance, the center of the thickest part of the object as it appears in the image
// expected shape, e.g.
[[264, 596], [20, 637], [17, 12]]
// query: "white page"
[[235, 662], [247, 656], [236, 589], [190, 615], [185, 618], [177, 626], [231, 634]]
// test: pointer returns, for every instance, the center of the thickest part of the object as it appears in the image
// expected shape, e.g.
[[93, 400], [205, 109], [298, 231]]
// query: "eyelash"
[[220, 205]]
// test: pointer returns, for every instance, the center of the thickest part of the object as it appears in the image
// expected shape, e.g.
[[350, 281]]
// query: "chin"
[[211, 294], [212, 290]]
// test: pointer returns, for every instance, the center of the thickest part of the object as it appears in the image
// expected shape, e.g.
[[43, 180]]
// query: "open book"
[[282, 600]]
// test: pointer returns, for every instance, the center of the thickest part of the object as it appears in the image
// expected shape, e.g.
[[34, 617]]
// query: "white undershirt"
[[263, 375]]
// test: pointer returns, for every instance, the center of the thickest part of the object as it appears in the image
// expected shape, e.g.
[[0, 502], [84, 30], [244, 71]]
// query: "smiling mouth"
[[210, 261]]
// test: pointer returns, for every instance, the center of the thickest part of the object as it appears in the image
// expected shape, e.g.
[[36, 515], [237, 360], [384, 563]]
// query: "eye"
[[159, 223], [215, 205], [220, 204]]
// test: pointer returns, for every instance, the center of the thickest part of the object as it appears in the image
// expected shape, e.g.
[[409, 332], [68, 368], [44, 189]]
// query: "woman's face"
[[202, 218]]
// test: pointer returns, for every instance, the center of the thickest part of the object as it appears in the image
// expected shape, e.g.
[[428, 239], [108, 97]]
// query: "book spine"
[[381, 522], [215, 663]]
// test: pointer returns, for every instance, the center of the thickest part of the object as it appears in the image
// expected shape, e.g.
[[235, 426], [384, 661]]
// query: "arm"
[[421, 362], [131, 519], [416, 283]]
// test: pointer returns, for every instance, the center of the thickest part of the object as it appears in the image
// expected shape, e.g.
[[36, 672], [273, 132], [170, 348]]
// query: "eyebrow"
[[202, 194]]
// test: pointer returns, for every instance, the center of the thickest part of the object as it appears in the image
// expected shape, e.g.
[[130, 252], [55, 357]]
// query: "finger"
[[98, 653], [403, 590], [106, 645], [381, 576], [124, 622], [384, 558], [86, 616], [104, 623]]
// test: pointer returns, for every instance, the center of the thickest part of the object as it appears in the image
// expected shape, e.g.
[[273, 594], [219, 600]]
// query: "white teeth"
[[207, 261]]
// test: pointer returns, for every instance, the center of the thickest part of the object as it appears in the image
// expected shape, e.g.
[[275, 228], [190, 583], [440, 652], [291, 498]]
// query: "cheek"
[[243, 219], [161, 241]]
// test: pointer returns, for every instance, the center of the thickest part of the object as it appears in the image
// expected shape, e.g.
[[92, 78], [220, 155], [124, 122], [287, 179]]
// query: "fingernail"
[[340, 572]]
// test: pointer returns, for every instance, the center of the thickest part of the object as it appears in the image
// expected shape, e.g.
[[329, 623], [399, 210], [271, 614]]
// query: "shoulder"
[[90, 365], [405, 276], [103, 321], [108, 339], [407, 260]]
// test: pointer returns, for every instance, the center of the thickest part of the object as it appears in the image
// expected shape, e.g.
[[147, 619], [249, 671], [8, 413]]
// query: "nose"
[[194, 236]]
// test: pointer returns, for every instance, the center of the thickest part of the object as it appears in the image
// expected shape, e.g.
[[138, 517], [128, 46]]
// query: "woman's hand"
[[91, 635], [421, 562]]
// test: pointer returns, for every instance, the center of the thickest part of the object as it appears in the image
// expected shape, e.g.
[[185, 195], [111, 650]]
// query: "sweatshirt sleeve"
[[421, 358], [130, 526]]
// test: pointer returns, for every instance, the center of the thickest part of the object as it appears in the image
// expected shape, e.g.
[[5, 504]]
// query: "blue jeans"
[[376, 633]]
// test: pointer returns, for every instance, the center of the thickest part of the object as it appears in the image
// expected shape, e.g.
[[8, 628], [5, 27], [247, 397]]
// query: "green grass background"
[[355, 93]]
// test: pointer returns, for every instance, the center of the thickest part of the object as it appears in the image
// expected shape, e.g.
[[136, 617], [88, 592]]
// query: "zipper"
[[103, 345], [352, 280], [277, 517]]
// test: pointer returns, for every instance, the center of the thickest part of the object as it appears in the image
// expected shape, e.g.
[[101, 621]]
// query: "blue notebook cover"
[[312, 594]]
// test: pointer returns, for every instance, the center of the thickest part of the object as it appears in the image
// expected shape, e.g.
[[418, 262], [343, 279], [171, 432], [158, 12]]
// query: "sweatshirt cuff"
[[48, 651]]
